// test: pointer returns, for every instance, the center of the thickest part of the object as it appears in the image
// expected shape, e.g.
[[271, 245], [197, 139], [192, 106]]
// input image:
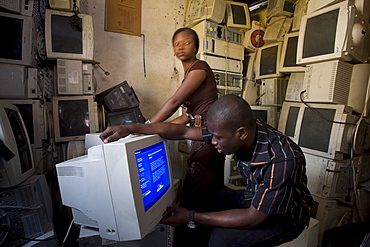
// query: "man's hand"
[[113, 133], [175, 216]]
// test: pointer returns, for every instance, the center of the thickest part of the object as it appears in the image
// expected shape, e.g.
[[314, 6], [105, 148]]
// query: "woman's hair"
[[192, 32], [231, 112]]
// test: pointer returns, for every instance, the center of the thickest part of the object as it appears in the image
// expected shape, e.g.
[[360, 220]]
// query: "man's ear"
[[242, 133]]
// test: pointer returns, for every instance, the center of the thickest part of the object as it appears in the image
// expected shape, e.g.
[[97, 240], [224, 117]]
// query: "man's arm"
[[166, 130], [233, 218]]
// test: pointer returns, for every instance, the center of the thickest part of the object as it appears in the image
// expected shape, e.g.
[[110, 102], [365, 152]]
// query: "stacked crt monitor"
[[76, 116], [337, 31], [69, 39], [16, 153], [324, 135]]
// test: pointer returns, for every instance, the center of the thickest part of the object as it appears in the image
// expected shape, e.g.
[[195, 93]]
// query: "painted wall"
[[154, 80]]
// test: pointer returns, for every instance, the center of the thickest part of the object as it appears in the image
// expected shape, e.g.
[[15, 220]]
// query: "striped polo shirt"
[[276, 181]]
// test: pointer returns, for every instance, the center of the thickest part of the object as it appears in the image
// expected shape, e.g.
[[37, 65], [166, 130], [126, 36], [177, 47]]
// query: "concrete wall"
[[123, 55]]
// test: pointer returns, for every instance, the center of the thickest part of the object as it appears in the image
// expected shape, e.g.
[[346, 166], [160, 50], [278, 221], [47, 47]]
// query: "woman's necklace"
[[186, 71]]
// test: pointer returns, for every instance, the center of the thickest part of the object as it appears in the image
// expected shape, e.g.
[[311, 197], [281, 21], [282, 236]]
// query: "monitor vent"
[[62, 63], [71, 172], [62, 81], [62, 70]]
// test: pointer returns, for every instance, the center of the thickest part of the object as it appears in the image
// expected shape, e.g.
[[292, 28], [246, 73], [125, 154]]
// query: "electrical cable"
[[144, 65]]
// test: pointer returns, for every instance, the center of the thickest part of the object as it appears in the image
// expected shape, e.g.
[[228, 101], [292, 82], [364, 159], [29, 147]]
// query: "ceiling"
[[254, 4]]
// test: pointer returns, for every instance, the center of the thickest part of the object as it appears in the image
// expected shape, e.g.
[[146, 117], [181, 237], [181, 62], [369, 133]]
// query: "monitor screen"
[[314, 128], [75, 116], [288, 61], [268, 61], [17, 45], [11, 47], [291, 121], [316, 26], [18, 165], [21, 140], [291, 52], [154, 174], [260, 114], [239, 16], [129, 116], [66, 38]]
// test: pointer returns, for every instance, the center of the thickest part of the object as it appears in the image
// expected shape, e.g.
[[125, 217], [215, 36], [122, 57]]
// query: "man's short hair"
[[231, 112]]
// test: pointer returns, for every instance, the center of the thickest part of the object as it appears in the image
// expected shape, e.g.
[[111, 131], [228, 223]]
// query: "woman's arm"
[[166, 130], [191, 83]]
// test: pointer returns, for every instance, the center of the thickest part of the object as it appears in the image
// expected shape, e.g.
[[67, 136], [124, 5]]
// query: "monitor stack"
[[321, 93], [26, 79], [220, 26]]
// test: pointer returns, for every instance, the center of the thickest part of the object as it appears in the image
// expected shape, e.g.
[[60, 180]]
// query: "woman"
[[196, 94]]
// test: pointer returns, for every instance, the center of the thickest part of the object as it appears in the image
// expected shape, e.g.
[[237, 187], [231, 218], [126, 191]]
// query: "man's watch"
[[191, 223]]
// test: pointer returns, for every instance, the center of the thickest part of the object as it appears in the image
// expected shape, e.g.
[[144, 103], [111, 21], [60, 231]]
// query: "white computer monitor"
[[335, 32], [121, 188], [288, 62], [75, 116], [197, 11], [268, 61], [237, 15], [280, 8], [268, 114], [69, 40], [328, 137], [34, 115], [18, 44], [16, 154]]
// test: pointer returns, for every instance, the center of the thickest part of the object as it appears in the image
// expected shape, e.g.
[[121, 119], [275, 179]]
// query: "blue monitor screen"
[[154, 174]]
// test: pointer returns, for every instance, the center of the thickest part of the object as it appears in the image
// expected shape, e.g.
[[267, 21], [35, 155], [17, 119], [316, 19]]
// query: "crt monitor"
[[237, 15], [18, 40], [197, 11], [268, 61], [334, 32], [280, 8], [34, 114], [327, 135], [118, 98], [268, 114], [120, 188], [66, 38], [16, 161], [288, 62], [75, 116]]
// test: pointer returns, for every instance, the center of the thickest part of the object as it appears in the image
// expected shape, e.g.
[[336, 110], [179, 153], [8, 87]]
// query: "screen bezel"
[[289, 69], [258, 61]]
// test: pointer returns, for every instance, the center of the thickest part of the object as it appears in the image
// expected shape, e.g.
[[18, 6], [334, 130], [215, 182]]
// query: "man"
[[275, 206]]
